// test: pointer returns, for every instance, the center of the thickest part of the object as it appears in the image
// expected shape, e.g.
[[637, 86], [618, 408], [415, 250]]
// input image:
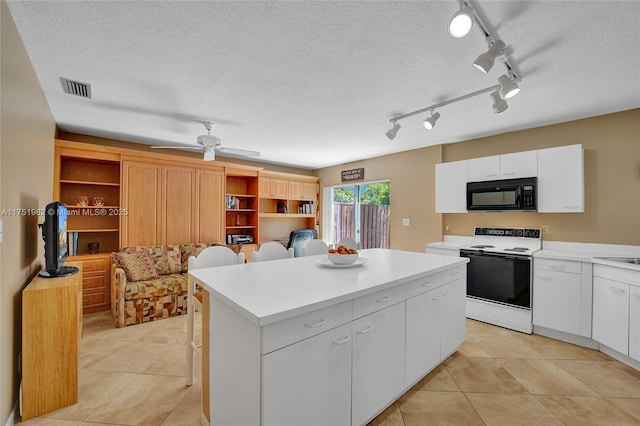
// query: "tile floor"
[[135, 376]]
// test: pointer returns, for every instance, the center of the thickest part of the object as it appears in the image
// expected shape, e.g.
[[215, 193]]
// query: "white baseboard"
[[15, 414]]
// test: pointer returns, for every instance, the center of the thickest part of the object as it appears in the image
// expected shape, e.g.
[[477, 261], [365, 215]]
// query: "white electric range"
[[499, 275]]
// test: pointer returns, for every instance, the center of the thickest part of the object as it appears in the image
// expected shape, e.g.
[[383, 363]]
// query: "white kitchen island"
[[295, 342]]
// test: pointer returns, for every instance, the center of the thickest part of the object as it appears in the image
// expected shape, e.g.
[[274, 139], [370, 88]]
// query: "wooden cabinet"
[[320, 366], [378, 361], [273, 188], [292, 207], [96, 290], [178, 204], [51, 331], [85, 174], [451, 187], [141, 196], [209, 198], [241, 202], [561, 179], [169, 204]]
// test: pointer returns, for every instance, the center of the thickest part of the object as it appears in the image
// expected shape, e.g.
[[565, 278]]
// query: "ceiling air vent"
[[76, 88]]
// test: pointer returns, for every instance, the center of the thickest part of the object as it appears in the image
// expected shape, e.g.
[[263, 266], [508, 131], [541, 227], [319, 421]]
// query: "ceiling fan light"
[[209, 154], [461, 22], [499, 104], [484, 62], [508, 87], [391, 133], [430, 122]]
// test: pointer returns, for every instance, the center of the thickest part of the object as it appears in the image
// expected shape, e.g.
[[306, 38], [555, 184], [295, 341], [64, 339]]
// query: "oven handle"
[[473, 253]]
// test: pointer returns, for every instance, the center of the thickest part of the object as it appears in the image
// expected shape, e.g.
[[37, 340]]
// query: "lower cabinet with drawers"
[[342, 364], [95, 282]]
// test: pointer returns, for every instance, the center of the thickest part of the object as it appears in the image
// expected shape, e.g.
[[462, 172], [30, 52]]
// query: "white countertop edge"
[[290, 313], [615, 264]]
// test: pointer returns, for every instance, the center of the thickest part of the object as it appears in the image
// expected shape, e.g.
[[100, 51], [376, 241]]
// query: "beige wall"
[[411, 176], [612, 179], [26, 181]]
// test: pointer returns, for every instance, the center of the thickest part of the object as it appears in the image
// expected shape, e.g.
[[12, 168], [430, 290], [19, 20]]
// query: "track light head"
[[485, 61], [508, 87], [499, 104], [430, 122], [461, 21], [391, 133]]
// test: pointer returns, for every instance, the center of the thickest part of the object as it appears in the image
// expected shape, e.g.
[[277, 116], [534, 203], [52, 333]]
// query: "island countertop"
[[266, 292]]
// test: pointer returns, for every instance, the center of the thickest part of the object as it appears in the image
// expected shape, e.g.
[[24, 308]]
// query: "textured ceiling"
[[313, 84]]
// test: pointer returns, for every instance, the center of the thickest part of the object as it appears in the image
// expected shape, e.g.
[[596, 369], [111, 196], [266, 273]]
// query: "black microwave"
[[507, 194]]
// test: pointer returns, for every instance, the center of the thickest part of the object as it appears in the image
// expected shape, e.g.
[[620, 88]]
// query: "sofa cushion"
[[166, 259], [137, 266], [163, 286], [188, 250]]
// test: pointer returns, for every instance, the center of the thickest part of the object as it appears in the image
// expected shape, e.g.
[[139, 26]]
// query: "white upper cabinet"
[[506, 166], [484, 168], [519, 165], [561, 179], [451, 187]]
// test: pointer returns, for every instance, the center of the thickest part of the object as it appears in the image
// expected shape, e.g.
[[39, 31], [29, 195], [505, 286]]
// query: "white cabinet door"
[[435, 327], [451, 187], [453, 317], [519, 165], [561, 180], [378, 362], [422, 334], [483, 168], [611, 314], [309, 382], [557, 300], [634, 323]]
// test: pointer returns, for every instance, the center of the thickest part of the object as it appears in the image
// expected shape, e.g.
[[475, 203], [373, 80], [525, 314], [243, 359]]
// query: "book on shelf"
[[72, 242]]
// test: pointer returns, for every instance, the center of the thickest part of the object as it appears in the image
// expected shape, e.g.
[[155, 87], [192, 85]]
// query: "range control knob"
[[519, 232]]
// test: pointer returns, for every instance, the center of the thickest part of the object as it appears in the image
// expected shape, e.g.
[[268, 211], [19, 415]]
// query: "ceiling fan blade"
[[199, 148], [209, 155], [236, 151]]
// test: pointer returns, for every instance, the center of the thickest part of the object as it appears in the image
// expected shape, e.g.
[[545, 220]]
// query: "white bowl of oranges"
[[342, 255]]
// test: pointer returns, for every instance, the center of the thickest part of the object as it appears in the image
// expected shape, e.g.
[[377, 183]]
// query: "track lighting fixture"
[[430, 122], [391, 133], [508, 87], [485, 61], [499, 104], [461, 21]]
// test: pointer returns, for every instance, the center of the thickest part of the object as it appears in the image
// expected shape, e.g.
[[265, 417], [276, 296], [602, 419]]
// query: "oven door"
[[499, 278]]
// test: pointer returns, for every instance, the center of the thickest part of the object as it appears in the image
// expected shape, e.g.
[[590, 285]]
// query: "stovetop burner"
[[481, 246]]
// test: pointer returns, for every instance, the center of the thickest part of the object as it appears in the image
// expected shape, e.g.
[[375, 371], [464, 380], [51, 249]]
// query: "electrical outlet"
[[447, 226], [406, 221], [545, 229]]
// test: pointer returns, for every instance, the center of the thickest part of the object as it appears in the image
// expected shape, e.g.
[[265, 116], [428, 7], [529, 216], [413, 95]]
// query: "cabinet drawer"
[[95, 298], [94, 282], [286, 332], [432, 281], [569, 266], [622, 275], [95, 265], [379, 300]]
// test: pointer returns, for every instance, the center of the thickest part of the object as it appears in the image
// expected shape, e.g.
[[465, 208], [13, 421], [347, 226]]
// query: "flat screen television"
[[56, 248]]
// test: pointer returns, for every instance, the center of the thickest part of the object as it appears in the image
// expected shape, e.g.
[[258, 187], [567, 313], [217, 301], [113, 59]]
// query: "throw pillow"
[[137, 266]]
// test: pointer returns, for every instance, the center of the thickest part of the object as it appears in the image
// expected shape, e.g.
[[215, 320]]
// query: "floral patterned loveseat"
[[150, 282]]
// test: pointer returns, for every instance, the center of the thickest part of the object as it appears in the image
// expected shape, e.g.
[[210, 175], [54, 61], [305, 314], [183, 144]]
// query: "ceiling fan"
[[210, 144]]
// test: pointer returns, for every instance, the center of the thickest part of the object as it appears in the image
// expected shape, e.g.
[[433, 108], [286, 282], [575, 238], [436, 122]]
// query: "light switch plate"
[[406, 221]]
